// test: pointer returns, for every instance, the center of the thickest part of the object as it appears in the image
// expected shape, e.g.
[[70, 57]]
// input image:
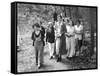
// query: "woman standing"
[[78, 36], [50, 38], [58, 34], [70, 39], [38, 44]]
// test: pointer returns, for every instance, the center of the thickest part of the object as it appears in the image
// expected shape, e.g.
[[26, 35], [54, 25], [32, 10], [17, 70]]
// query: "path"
[[26, 60]]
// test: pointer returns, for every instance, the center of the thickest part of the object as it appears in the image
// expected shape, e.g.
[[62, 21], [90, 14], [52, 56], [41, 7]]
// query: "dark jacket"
[[42, 32], [50, 36]]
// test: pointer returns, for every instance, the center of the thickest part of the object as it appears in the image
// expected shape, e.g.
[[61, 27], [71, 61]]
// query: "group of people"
[[58, 28]]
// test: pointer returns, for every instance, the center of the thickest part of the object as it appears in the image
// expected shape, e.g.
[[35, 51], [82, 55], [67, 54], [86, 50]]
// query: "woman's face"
[[66, 21], [59, 19], [78, 23], [49, 28], [70, 23], [36, 28]]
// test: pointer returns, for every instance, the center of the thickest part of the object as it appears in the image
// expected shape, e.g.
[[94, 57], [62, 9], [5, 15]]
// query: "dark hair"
[[60, 17], [41, 22], [68, 20], [78, 21], [36, 25], [72, 23]]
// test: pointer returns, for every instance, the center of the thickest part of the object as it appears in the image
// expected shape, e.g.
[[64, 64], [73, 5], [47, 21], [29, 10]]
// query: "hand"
[[58, 35], [67, 34]]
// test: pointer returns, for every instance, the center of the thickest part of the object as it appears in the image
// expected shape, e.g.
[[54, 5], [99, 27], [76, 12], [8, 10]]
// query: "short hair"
[[36, 25], [72, 22], [78, 21]]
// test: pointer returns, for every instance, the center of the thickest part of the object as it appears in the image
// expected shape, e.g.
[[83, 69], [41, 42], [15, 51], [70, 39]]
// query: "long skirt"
[[70, 46]]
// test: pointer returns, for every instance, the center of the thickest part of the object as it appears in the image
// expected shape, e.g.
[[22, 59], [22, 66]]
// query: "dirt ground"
[[26, 60]]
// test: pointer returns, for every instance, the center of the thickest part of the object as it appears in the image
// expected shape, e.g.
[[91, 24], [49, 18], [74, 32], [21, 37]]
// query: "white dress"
[[70, 41]]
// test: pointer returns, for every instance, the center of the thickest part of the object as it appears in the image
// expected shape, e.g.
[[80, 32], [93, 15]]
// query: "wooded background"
[[28, 14]]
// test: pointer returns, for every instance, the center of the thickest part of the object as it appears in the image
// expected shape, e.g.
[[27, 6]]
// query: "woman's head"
[[50, 24], [36, 27], [67, 20], [71, 23], [59, 18], [78, 22]]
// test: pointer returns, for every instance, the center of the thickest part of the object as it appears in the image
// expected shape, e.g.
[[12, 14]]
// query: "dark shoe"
[[75, 57], [40, 66], [59, 59], [69, 58], [51, 57], [36, 63]]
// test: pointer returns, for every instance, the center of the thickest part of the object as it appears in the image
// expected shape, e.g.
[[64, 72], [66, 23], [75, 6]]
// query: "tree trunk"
[[92, 21]]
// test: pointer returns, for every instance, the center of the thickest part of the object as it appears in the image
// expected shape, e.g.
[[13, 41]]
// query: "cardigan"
[[42, 32], [50, 36]]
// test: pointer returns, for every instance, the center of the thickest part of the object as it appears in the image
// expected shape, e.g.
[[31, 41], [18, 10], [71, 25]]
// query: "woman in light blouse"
[[70, 39]]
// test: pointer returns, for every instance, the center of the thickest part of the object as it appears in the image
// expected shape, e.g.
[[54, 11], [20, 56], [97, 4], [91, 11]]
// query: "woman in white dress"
[[70, 39]]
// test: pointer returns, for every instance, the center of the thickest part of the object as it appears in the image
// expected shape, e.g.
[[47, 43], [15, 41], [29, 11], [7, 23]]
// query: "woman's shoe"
[[39, 66], [59, 59], [69, 58], [51, 57]]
